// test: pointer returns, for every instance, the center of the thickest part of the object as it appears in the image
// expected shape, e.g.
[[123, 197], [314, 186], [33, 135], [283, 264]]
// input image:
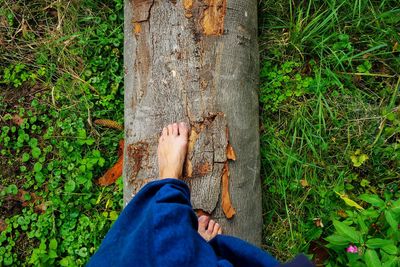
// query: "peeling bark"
[[227, 207], [196, 61], [213, 17]]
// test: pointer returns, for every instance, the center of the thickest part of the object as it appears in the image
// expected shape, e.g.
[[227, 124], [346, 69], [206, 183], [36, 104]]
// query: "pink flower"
[[352, 249]]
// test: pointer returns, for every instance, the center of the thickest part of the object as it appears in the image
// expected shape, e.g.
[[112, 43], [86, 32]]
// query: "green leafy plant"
[[52, 212], [282, 84], [369, 236]]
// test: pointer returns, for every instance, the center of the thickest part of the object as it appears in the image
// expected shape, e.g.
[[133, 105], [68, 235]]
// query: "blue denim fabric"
[[159, 228]]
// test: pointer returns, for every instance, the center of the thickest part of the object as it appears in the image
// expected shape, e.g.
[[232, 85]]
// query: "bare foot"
[[208, 229], [172, 149]]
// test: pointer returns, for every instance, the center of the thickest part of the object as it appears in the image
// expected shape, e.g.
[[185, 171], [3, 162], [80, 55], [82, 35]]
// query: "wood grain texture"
[[177, 68]]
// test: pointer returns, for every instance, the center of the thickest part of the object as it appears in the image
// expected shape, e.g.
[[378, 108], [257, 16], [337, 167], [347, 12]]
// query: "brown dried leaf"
[[230, 153], [227, 207], [41, 208], [16, 119], [304, 183], [342, 214], [3, 225], [121, 148], [112, 174], [318, 222], [21, 197], [115, 171]]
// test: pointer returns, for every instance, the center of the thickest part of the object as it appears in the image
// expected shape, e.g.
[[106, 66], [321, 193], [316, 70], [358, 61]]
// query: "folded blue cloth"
[[159, 228]]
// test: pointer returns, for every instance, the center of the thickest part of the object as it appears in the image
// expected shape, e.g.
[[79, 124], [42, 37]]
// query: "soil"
[[10, 207]]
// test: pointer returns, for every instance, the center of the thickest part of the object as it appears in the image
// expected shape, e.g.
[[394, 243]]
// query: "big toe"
[[164, 133], [183, 129]]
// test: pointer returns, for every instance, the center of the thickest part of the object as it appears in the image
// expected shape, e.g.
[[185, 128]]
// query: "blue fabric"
[[159, 228]]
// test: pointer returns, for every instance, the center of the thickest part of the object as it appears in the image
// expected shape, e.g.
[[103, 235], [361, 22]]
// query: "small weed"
[[373, 233]]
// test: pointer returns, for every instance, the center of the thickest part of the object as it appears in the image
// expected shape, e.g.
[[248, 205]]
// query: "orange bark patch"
[[188, 5], [213, 17], [192, 140], [227, 207], [137, 28], [230, 153], [200, 212], [137, 152], [203, 169], [188, 171]]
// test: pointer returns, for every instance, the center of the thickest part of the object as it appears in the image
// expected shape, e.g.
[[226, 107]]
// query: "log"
[[197, 61]]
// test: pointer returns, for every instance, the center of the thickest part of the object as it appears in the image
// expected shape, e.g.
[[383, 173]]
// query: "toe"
[[183, 129], [217, 228], [164, 132], [210, 227], [220, 231], [169, 129], [175, 130], [203, 222]]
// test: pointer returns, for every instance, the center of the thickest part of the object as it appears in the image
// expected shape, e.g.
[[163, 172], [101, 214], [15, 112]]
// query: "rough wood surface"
[[196, 61]]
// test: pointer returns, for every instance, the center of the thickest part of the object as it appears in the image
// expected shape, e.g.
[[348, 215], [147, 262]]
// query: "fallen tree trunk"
[[197, 61]]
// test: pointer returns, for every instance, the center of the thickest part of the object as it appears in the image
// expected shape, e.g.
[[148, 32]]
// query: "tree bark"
[[197, 61]]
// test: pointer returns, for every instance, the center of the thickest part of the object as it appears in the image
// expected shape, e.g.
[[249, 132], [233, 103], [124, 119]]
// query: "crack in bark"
[[142, 10]]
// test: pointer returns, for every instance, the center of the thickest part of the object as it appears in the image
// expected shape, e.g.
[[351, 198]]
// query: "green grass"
[[329, 101], [329, 96]]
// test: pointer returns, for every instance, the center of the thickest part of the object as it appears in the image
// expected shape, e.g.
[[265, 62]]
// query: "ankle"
[[169, 174]]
